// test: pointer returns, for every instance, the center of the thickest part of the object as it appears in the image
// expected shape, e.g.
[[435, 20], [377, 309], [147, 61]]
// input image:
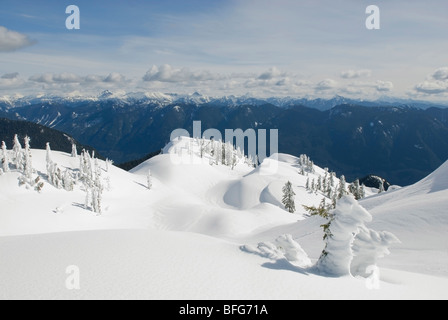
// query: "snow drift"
[[182, 238]]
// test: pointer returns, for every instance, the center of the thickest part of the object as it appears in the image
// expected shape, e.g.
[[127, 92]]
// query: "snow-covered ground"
[[188, 237]]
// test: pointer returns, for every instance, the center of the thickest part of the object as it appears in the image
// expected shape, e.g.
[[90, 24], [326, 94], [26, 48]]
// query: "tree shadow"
[[283, 264], [141, 184], [280, 264], [79, 205]]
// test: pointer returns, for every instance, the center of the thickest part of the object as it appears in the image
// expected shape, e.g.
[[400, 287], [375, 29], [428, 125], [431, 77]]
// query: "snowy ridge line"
[[164, 99]]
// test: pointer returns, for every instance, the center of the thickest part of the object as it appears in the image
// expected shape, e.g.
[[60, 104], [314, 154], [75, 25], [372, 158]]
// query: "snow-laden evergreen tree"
[[342, 188], [91, 176], [307, 186], [350, 247], [97, 191], [362, 191], [109, 164], [17, 154], [334, 200], [202, 147], [325, 182], [355, 190], [223, 154], [345, 222], [27, 158], [149, 180], [55, 176], [319, 184], [332, 177], [49, 164], [74, 151], [323, 210], [381, 190], [68, 181], [230, 155], [288, 197], [5, 158], [85, 167], [329, 192]]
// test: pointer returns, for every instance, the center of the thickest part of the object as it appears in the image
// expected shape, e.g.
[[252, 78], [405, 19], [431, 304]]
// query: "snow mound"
[[417, 215], [284, 247], [436, 181], [187, 230]]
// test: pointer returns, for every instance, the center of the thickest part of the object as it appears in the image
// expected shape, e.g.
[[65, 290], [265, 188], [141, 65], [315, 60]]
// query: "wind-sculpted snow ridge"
[[418, 216]]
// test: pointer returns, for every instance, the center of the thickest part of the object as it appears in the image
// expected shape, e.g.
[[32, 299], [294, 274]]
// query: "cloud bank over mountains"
[[271, 82]]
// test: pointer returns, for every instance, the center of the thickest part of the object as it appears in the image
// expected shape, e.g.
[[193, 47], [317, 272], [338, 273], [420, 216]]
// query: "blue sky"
[[264, 48]]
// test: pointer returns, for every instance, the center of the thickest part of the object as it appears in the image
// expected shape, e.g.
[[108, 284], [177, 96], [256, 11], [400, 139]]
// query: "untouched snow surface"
[[189, 236]]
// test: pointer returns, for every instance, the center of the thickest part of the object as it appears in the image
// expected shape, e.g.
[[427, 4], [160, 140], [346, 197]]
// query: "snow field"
[[208, 232]]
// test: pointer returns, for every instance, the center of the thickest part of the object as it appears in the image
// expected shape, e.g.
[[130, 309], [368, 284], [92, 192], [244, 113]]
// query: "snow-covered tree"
[[27, 158], [332, 177], [74, 151], [55, 176], [350, 247], [17, 153], [4, 158], [319, 184], [85, 167], [345, 222], [323, 210], [325, 182], [355, 190], [362, 191], [202, 147], [381, 186], [342, 188], [91, 177], [223, 154], [288, 197], [97, 191], [49, 164], [68, 181], [329, 192], [109, 164], [307, 186]]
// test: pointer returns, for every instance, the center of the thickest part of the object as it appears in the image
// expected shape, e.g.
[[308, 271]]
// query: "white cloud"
[[440, 74], [435, 84], [67, 78], [384, 86], [115, 77], [271, 74], [434, 87], [167, 73], [50, 78], [353, 91], [10, 80], [12, 40], [354, 74], [10, 76], [93, 78], [326, 84]]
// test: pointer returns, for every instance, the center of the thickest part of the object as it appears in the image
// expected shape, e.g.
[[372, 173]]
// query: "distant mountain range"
[[166, 99], [402, 141]]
